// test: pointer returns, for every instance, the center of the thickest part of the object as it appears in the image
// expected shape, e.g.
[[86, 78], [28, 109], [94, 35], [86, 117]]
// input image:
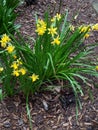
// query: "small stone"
[[87, 119], [45, 105], [14, 128], [20, 122], [54, 127], [66, 124], [24, 128], [90, 128], [7, 124]]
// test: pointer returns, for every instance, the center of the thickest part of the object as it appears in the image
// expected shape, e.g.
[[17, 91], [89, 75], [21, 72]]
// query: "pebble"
[[7, 124], [45, 105], [90, 128], [20, 122]]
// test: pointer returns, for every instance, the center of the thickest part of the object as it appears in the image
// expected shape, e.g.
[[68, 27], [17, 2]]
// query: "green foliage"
[[58, 53], [1, 95], [7, 15]]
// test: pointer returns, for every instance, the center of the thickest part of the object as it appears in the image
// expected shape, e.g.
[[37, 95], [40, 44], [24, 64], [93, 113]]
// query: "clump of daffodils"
[[17, 66], [18, 70], [52, 30], [49, 33], [88, 28]]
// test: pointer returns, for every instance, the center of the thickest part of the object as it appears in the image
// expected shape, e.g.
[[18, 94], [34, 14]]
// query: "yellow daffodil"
[[85, 28], [4, 40], [72, 28], [14, 56], [53, 19], [52, 31], [41, 23], [10, 48], [58, 16], [34, 77], [15, 73], [95, 27], [1, 69], [15, 65], [19, 62], [56, 40], [96, 68], [40, 31], [41, 27], [22, 71], [86, 35]]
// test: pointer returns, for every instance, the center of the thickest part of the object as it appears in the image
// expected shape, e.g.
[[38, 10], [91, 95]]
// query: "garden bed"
[[46, 109]]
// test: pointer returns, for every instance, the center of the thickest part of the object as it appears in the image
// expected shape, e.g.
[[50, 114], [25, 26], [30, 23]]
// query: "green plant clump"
[[58, 53], [7, 15]]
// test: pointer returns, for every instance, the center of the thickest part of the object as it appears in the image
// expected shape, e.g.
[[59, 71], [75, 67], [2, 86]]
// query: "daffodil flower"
[[14, 65], [34, 77], [56, 40], [10, 48], [22, 71], [95, 27], [15, 73], [58, 16], [41, 27], [1, 69], [96, 68], [52, 31], [4, 40]]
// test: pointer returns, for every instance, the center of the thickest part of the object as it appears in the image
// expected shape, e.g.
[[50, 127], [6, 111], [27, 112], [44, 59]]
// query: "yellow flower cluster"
[[4, 40], [17, 65], [17, 68], [87, 29], [95, 27], [5, 43], [53, 30], [41, 27]]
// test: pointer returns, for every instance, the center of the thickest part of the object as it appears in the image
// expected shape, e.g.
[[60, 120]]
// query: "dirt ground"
[[47, 110]]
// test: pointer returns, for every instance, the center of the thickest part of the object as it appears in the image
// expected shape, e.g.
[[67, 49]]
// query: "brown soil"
[[46, 109]]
